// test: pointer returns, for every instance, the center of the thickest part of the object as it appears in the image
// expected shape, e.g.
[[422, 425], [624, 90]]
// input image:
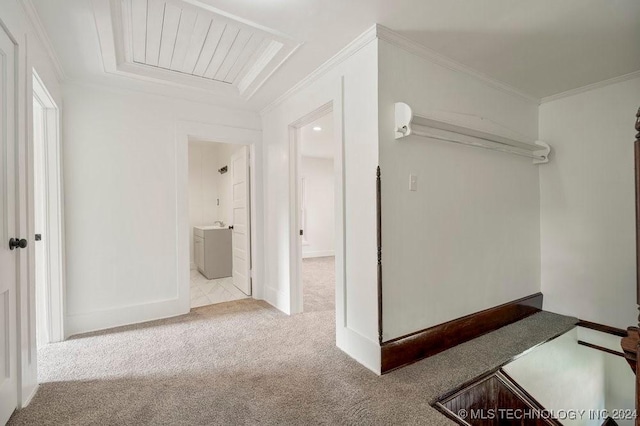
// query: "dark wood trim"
[[379, 238], [602, 328], [517, 390], [408, 349], [636, 147], [600, 348], [525, 394]]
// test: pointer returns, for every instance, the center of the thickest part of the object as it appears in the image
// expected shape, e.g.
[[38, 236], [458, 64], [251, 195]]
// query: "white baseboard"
[[277, 299], [360, 348], [127, 315], [28, 399], [321, 253]]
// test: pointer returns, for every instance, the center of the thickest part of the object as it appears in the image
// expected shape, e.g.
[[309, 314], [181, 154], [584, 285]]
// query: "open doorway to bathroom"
[[219, 216], [316, 195]]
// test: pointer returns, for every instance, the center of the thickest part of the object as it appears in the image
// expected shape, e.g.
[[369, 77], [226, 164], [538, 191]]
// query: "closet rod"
[[476, 132]]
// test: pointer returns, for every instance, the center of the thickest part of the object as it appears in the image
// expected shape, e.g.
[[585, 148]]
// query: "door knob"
[[230, 226], [17, 243]]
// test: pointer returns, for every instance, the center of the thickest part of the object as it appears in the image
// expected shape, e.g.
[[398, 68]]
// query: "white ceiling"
[[540, 47], [318, 143]]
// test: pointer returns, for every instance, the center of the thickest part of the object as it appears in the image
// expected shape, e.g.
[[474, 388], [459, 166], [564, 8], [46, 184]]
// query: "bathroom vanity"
[[213, 252]]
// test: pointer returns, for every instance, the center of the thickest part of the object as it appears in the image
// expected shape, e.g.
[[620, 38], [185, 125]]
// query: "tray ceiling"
[[187, 42]]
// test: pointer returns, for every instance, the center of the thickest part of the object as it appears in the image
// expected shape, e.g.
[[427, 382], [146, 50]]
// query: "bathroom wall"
[[203, 187], [319, 229], [210, 193], [225, 185]]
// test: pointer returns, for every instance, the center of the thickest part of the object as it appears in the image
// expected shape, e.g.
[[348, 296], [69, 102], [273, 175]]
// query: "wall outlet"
[[413, 183]]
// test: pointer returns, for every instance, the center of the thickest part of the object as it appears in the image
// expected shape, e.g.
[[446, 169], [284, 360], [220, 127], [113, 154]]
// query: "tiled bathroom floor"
[[207, 292]]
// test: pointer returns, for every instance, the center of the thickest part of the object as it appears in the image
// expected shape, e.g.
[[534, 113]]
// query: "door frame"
[[53, 212], [295, 196], [188, 130]]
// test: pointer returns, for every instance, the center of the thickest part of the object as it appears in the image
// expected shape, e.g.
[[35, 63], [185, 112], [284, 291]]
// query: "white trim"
[[54, 211], [186, 130], [277, 299], [113, 29], [319, 253], [346, 52], [295, 243], [588, 87], [26, 401], [41, 33], [383, 33], [126, 315]]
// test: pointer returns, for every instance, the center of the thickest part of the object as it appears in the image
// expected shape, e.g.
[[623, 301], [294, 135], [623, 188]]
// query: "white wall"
[[352, 87], [203, 187], [225, 183], [318, 175], [210, 192], [122, 211], [587, 205], [562, 375], [468, 239]]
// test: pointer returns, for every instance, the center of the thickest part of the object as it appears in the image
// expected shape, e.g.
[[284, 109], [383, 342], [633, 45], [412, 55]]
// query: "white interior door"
[[241, 241], [8, 258]]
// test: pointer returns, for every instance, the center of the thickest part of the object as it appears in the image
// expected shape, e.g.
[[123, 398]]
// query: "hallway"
[[244, 362]]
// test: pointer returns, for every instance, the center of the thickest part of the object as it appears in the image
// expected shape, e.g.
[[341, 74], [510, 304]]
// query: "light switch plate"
[[413, 183]]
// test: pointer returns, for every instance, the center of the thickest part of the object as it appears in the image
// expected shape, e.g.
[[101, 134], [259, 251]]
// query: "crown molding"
[[597, 85], [381, 32], [417, 49], [346, 52], [41, 33]]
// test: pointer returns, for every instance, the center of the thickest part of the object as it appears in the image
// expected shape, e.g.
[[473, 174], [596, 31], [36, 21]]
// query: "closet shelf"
[[468, 130]]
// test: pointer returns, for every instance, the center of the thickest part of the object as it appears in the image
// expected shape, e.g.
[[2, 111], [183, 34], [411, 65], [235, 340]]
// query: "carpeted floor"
[[244, 362], [319, 284]]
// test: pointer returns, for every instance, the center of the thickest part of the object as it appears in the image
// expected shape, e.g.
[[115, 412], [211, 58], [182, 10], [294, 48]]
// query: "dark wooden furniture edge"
[[408, 349], [631, 342], [602, 328], [600, 348]]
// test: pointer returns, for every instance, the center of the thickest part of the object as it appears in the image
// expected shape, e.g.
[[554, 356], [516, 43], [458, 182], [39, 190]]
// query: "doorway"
[[316, 209], [47, 215], [317, 215], [219, 222]]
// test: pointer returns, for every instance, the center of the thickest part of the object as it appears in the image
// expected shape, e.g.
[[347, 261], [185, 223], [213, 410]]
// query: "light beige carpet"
[[244, 363], [319, 284]]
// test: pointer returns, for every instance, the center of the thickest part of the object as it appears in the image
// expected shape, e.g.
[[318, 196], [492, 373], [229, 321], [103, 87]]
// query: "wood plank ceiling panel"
[[200, 32], [172, 16], [216, 33], [155, 18], [248, 53], [234, 53], [139, 30], [183, 39], [227, 40]]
